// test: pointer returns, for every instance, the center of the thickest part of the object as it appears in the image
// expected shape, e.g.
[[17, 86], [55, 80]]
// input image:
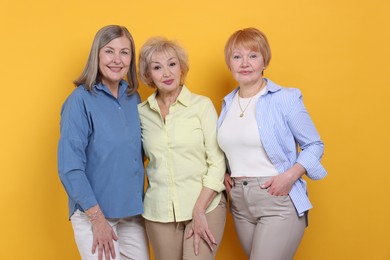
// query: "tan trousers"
[[169, 241], [268, 226]]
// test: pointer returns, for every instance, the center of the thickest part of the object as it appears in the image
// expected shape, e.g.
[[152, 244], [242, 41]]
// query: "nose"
[[244, 62], [116, 58], [166, 73]]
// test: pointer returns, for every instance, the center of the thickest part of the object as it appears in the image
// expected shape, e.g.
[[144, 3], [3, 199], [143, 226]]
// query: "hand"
[[228, 181], [279, 185], [200, 230], [103, 236]]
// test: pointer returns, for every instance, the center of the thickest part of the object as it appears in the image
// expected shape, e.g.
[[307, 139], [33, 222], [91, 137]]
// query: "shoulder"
[[201, 103], [200, 99], [78, 95], [282, 93], [142, 105]]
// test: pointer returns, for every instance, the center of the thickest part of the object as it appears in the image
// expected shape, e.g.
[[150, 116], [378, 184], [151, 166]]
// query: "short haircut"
[[160, 45], [248, 38], [91, 75]]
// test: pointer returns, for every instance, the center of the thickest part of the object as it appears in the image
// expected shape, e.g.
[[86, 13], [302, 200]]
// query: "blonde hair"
[[248, 38], [91, 75], [160, 45]]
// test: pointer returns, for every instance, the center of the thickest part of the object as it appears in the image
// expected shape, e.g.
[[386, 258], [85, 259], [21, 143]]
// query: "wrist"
[[95, 215]]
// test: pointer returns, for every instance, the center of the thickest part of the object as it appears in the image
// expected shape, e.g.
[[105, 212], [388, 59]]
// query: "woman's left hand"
[[200, 230], [281, 184]]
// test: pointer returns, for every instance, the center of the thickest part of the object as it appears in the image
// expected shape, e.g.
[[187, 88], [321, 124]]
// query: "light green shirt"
[[183, 156]]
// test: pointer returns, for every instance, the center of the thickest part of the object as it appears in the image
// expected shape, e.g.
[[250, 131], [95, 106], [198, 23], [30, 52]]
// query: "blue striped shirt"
[[283, 123], [100, 151]]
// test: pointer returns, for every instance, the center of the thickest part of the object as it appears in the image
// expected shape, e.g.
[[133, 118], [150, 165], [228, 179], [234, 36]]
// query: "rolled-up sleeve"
[[213, 179], [305, 133]]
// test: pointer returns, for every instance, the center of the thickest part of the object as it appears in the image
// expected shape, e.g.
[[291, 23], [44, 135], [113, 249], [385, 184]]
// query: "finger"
[[107, 251], [190, 233], [196, 244], [208, 237], [266, 184], [94, 245], [114, 236], [228, 179], [100, 252], [112, 249], [211, 237], [228, 188], [208, 242]]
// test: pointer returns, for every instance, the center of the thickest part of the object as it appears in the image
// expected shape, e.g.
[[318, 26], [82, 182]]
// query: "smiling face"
[[114, 61], [165, 71], [246, 66]]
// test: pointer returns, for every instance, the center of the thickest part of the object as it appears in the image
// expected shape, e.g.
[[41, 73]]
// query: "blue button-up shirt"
[[283, 122], [100, 151]]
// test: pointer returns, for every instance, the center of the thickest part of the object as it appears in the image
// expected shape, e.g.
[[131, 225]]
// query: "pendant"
[[242, 114]]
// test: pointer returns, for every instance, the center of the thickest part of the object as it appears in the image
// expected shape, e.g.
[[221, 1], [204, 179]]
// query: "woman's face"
[[165, 71], [246, 66], [114, 60]]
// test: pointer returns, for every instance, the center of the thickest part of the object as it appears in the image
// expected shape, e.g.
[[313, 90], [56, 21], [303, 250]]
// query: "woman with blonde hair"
[[185, 208], [260, 127]]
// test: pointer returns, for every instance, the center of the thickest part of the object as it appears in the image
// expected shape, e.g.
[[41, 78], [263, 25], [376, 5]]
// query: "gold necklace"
[[239, 104], [238, 98]]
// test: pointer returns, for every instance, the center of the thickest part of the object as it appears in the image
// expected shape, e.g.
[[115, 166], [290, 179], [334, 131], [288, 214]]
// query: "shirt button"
[[119, 108]]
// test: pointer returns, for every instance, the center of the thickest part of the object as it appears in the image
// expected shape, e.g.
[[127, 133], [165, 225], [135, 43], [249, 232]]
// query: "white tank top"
[[239, 138]]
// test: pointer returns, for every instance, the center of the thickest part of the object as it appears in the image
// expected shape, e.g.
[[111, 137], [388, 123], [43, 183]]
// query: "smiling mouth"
[[168, 82], [115, 69]]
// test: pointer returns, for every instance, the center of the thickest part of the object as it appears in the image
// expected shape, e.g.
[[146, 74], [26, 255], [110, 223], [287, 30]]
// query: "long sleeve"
[[213, 179], [72, 158]]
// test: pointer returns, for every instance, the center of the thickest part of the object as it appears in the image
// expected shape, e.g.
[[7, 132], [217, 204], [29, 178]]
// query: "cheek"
[[153, 75], [127, 61]]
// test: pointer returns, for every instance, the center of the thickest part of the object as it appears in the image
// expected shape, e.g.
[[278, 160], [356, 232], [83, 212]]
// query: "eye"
[[253, 56], [172, 64], [156, 67], [236, 57], [109, 51], [125, 52]]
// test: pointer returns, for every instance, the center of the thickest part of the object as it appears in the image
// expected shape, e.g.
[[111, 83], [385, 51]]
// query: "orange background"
[[336, 51]]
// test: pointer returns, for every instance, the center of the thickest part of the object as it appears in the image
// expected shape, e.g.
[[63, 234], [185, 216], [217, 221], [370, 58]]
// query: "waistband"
[[239, 181]]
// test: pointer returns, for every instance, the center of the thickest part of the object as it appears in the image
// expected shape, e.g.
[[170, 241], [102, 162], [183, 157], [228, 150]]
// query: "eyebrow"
[[126, 48], [160, 62]]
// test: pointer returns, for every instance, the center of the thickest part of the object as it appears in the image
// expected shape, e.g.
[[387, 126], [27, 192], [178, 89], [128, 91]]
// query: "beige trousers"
[[168, 240], [268, 226]]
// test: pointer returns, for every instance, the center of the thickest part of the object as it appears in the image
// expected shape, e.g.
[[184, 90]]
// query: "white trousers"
[[132, 241]]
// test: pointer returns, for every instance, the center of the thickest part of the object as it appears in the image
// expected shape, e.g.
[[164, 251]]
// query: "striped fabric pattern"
[[288, 136]]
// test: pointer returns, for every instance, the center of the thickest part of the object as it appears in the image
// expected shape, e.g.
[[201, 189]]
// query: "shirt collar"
[[122, 87], [271, 87], [184, 98]]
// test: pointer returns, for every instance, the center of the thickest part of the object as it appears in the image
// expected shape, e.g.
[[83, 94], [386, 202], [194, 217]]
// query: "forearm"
[[295, 172], [205, 198]]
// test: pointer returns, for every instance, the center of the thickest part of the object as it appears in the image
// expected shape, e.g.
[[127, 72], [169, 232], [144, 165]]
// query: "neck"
[[113, 87], [246, 91], [168, 98]]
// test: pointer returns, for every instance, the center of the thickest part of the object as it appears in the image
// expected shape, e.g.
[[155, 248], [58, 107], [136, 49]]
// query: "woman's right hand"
[[228, 181], [103, 237]]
